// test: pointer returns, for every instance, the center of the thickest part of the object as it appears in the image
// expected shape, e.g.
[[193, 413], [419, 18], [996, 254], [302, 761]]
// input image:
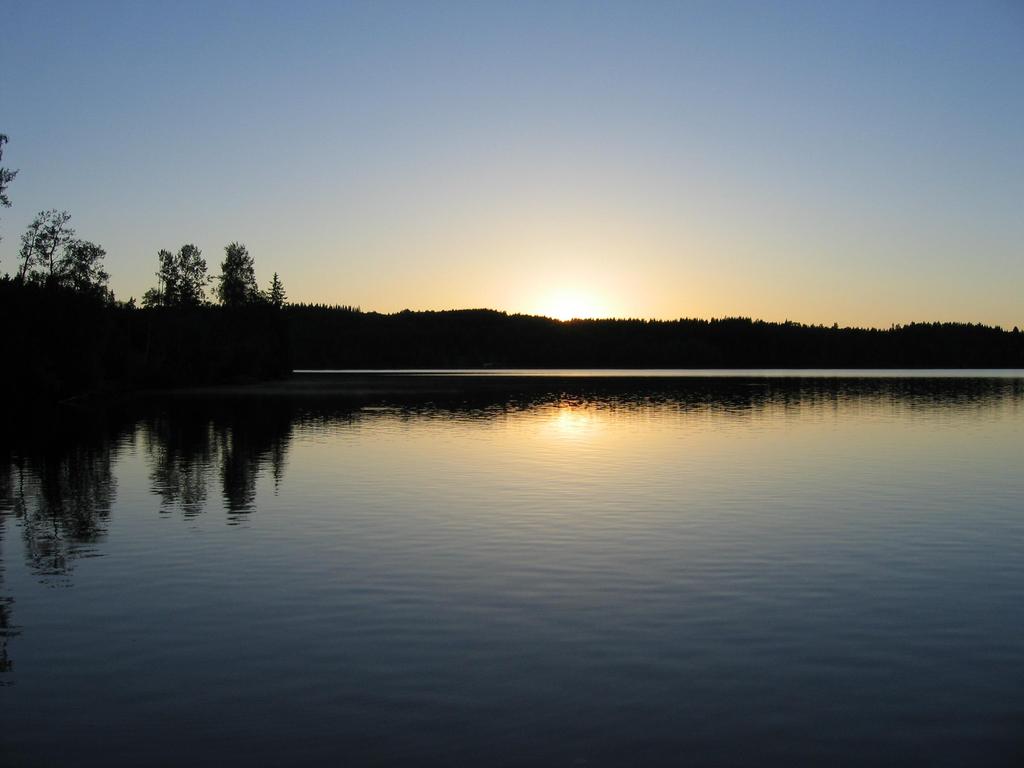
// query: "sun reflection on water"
[[569, 421]]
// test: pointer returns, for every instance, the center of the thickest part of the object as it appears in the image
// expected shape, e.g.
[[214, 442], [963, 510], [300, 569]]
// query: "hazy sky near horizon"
[[851, 162]]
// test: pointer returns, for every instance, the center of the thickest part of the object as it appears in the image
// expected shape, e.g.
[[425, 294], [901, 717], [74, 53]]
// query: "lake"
[[766, 568]]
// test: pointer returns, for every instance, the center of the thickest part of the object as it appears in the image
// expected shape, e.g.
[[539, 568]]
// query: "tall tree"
[[6, 176], [81, 267], [237, 277], [275, 294], [181, 279], [191, 274], [167, 281], [44, 239], [28, 253]]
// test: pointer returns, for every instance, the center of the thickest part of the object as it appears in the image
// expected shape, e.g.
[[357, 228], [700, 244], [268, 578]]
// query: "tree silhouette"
[[237, 278], [44, 239], [192, 276], [81, 267], [166, 292], [275, 294], [30, 247], [6, 176], [51, 255], [181, 279]]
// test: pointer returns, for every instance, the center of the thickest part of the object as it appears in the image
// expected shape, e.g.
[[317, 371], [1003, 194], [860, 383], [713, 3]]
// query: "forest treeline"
[[70, 335], [63, 343], [71, 343], [343, 337]]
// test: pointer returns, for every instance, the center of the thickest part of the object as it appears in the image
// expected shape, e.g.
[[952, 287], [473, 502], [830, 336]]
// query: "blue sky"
[[855, 162]]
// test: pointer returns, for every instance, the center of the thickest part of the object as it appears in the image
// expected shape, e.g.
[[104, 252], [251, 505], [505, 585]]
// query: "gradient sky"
[[851, 162]]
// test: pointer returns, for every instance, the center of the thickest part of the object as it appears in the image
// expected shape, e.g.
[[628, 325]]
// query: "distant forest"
[[344, 337], [67, 334]]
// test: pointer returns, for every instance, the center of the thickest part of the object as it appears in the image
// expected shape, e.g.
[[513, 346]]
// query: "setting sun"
[[572, 305]]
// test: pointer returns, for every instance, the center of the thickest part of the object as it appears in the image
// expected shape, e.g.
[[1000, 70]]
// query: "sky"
[[851, 162]]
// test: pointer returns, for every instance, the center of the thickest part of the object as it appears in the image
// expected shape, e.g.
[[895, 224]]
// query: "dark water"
[[588, 572]]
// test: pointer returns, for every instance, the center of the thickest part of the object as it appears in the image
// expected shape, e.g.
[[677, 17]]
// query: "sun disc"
[[570, 305]]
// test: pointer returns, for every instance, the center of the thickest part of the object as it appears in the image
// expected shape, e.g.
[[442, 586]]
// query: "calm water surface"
[[688, 571]]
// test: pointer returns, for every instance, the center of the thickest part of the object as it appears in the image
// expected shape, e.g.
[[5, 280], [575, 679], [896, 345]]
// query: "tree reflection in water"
[[7, 629], [179, 452], [186, 447], [61, 492], [59, 488], [57, 480]]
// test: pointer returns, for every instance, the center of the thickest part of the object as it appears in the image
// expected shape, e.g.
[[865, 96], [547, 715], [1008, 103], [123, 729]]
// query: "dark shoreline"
[[68, 344]]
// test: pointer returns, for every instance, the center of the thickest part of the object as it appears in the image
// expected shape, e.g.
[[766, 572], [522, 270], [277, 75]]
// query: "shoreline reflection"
[[58, 480]]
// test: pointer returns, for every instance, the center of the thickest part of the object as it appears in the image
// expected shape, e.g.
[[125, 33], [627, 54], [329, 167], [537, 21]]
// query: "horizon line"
[[636, 318]]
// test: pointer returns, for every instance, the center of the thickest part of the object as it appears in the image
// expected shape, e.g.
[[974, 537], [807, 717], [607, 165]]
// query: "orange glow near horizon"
[[571, 304]]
